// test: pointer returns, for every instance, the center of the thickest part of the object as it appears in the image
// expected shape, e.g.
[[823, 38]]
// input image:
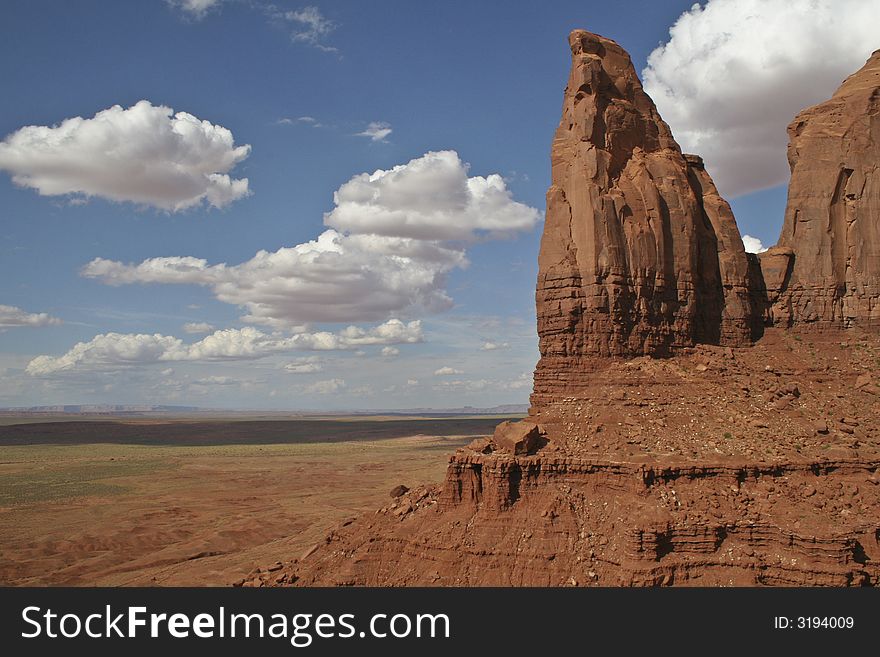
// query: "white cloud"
[[312, 27], [735, 72], [447, 371], [376, 131], [197, 327], [231, 344], [144, 154], [324, 387], [306, 365], [335, 278], [429, 198], [13, 316], [388, 252], [391, 332], [195, 8], [493, 346], [113, 351], [753, 244], [412, 382], [390, 352]]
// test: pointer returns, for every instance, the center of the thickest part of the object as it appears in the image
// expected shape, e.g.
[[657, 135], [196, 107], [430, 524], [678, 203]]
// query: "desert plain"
[[197, 502]]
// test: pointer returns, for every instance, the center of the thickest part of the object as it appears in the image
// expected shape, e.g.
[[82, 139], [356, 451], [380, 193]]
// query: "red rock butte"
[[684, 429], [825, 271]]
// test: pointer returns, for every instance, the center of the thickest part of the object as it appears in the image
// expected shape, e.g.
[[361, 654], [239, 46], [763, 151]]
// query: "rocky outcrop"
[[832, 222], [640, 254], [518, 438], [532, 521]]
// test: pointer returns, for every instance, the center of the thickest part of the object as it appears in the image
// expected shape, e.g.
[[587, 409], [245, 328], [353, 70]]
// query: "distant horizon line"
[[80, 409]]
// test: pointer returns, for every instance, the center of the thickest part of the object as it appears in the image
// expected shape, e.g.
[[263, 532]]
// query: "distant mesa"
[[99, 409]]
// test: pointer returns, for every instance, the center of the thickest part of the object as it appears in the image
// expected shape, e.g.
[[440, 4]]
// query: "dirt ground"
[[791, 397], [126, 515]]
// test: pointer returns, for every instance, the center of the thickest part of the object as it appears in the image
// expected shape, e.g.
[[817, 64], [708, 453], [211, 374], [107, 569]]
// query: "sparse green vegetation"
[[57, 479]]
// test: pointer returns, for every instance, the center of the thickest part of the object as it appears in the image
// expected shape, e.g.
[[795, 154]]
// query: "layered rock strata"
[[533, 521]]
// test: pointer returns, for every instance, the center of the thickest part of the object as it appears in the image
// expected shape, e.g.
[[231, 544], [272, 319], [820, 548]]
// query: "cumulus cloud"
[[394, 236], [376, 131], [391, 332], [197, 327], [11, 316], [390, 352], [447, 371], [145, 154], [113, 351], [735, 72], [335, 278], [429, 198], [306, 365], [753, 244], [493, 346]]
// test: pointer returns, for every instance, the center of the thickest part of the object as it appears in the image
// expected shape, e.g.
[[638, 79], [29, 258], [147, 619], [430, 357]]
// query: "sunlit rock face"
[[640, 254]]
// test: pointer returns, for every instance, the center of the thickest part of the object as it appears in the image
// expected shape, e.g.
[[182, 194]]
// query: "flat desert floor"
[[198, 503]]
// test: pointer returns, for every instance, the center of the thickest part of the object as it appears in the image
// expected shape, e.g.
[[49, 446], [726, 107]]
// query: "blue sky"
[[321, 92]]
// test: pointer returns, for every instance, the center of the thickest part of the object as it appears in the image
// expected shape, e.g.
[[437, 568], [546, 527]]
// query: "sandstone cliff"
[[640, 255], [826, 268]]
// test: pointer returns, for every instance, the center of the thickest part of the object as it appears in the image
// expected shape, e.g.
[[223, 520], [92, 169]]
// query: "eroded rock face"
[[640, 254], [832, 222]]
